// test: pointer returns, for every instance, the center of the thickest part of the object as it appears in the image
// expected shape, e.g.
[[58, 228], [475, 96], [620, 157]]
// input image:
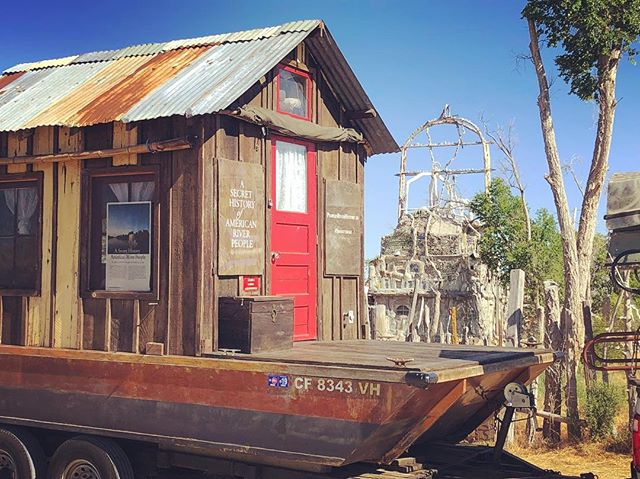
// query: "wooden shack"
[[139, 186]]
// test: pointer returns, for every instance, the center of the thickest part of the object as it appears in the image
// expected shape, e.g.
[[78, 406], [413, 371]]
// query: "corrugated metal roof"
[[65, 111], [182, 77], [56, 62], [15, 114], [216, 79]]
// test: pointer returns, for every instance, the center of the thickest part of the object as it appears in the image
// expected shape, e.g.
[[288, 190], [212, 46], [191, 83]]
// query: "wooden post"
[[436, 328], [380, 326], [606, 315], [553, 374], [454, 325], [538, 330], [514, 308], [412, 312]]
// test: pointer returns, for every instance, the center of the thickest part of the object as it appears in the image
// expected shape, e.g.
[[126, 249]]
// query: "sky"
[[412, 57]]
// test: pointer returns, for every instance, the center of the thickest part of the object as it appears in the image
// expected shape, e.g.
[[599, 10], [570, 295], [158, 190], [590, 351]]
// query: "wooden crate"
[[255, 324]]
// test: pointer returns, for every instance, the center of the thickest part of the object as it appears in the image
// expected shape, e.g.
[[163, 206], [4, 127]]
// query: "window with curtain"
[[115, 189], [291, 177], [20, 236], [293, 90]]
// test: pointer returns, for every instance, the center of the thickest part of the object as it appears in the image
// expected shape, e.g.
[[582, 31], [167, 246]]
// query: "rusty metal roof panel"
[[114, 103], [64, 112], [21, 85], [6, 79], [217, 79], [59, 82]]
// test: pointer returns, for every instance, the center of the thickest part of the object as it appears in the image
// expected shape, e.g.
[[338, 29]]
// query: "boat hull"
[[262, 412]]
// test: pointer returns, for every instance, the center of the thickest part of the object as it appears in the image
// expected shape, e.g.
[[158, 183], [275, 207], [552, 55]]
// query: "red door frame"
[[310, 218]]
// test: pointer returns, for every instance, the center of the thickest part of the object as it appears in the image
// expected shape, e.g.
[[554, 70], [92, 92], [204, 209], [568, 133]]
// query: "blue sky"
[[412, 57]]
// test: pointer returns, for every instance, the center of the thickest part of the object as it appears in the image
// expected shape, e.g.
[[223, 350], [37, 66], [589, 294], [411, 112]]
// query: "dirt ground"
[[577, 459]]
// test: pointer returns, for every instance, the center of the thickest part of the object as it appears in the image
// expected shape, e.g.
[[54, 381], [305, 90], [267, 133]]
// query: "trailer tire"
[[21, 452], [91, 457]]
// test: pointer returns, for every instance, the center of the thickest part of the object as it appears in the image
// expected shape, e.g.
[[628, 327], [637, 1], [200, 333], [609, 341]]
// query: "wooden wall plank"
[[349, 302], [156, 325], [17, 145], [206, 305], [68, 315], [94, 328], [124, 134], [183, 274], [122, 327], [12, 320], [336, 303], [148, 317], [38, 321]]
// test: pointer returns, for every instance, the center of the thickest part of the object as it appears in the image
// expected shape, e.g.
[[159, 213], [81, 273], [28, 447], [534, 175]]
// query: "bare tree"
[[589, 63], [505, 141]]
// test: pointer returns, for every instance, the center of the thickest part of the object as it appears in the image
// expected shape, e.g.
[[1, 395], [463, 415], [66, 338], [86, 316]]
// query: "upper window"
[[402, 310], [122, 232], [20, 235], [293, 92]]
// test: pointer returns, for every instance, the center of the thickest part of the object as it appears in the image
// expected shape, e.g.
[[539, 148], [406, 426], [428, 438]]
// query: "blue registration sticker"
[[277, 381]]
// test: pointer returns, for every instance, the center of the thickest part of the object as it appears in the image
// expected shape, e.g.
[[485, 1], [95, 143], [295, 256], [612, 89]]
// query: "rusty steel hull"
[[264, 412]]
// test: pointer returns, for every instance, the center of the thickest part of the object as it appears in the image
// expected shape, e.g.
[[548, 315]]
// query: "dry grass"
[[589, 457]]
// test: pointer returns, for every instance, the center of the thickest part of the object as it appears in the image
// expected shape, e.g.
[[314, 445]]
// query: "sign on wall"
[[240, 218], [343, 228], [128, 246]]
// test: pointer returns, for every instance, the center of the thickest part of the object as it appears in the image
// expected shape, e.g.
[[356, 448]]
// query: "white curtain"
[[10, 199], [291, 177], [27, 206], [24, 203], [292, 93], [142, 191], [121, 190]]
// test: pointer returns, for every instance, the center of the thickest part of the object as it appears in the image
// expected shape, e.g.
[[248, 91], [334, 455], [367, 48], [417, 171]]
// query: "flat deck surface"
[[379, 354]]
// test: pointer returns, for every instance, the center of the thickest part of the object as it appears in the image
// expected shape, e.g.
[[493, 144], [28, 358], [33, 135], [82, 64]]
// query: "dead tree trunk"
[[577, 249], [553, 374]]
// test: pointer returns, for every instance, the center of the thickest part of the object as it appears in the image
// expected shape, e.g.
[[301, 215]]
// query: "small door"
[[293, 231]]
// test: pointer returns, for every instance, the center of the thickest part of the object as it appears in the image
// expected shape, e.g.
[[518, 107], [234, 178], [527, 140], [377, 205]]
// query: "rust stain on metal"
[[6, 79], [64, 111], [115, 102]]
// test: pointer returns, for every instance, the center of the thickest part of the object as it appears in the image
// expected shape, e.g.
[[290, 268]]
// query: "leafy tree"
[[590, 37], [504, 245], [546, 253]]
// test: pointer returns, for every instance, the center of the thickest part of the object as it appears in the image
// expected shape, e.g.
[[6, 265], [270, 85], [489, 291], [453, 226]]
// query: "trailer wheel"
[[20, 454], [89, 457]]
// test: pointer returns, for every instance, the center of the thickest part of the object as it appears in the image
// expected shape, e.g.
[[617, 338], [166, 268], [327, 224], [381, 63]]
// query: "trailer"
[[324, 408], [181, 275]]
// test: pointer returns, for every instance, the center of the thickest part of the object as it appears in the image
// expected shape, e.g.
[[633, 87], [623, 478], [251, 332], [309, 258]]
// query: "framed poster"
[[128, 254], [240, 218], [343, 228]]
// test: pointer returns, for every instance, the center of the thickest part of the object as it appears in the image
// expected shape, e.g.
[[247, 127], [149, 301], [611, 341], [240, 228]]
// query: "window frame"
[[307, 76], [21, 180], [87, 232]]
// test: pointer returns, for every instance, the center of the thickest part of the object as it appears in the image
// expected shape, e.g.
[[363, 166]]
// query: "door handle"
[[274, 257]]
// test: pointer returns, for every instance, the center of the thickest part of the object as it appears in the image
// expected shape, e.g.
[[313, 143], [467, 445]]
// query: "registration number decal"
[[343, 386]]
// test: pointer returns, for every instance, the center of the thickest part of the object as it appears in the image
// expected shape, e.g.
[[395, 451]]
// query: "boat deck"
[[448, 361]]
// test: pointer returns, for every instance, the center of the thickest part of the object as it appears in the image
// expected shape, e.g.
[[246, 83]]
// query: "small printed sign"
[[251, 285], [278, 381]]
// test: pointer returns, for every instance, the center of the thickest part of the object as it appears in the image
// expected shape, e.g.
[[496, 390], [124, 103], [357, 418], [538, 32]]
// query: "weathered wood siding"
[[183, 316]]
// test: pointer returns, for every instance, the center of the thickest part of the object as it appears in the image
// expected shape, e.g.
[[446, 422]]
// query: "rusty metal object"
[[259, 408], [593, 360]]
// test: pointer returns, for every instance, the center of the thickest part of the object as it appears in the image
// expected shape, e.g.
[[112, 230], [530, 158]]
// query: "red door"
[[293, 231]]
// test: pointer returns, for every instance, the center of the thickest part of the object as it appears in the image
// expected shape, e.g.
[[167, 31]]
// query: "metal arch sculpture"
[[445, 118]]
